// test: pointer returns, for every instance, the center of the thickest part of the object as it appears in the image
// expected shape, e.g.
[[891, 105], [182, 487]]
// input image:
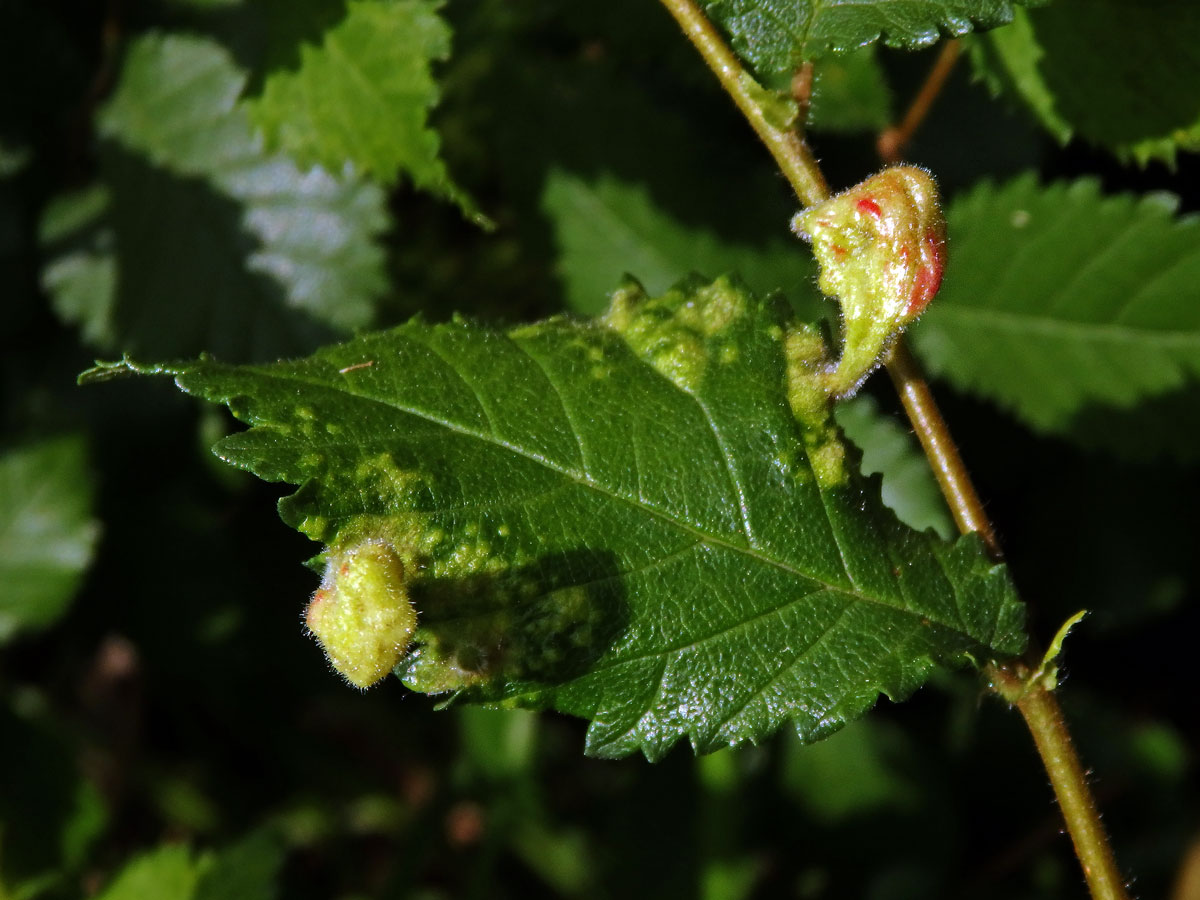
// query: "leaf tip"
[[124, 367]]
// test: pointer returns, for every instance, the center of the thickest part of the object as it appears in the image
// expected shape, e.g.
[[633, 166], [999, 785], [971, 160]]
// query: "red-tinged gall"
[[881, 247]]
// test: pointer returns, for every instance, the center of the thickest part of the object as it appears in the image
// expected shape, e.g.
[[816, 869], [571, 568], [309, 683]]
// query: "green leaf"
[[861, 771], [51, 815], [909, 488], [1057, 299], [620, 520], [176, 102], [777, 35], [364, 96], [217, 244], [14, 158], [606, 227], [81, 278], [167, 872], [47, 533], [849, 94], [1124, 76], [248, 870], [162, 269]]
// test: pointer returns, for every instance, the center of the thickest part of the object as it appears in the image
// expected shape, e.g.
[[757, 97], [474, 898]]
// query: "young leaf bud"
[[881, 246], [361, 614]]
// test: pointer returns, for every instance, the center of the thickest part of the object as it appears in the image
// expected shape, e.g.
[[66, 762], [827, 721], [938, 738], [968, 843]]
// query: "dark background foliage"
[[178, 703]]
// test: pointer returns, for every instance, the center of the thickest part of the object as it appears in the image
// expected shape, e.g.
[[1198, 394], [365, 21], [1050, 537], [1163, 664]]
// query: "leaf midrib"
[[586, 481], [1070, 329]]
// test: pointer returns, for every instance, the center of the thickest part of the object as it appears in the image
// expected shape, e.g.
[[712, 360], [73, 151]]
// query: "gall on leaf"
[[361, 615], [881, 247]]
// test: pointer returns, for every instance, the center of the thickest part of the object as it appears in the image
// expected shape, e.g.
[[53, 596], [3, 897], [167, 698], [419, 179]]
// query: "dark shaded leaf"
[[1124, 76]]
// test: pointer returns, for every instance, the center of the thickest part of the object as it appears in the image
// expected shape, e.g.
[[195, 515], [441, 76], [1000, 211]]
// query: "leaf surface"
[[47, 533], [196, 211], [777, 35], [364, 96], [1057, 299], [620, 520], [1124, 76]]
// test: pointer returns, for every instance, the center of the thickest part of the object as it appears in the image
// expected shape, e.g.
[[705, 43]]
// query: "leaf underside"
[[1058, 300], [620, 521], [775, 36], [189, 185]]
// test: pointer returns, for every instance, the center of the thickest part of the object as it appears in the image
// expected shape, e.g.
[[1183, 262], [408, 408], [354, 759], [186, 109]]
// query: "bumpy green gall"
[[881, 246], [361, 614]]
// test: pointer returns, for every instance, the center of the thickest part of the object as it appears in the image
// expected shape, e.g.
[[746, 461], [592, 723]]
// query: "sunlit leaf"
[[623, 521], [363, 97], [777, 35]]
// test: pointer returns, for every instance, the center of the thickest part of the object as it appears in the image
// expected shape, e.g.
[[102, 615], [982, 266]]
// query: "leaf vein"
[[582, 478]]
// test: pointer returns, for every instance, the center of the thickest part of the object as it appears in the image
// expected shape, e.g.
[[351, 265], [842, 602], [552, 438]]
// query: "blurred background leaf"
[[891, 449], [47, 532], [1125, 77], [176, 701], [850, 94], [1058, 299], [607, 229], [188, 185]]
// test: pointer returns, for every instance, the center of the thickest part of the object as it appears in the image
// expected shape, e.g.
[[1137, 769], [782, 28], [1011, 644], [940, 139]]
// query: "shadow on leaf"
[[498, 635]]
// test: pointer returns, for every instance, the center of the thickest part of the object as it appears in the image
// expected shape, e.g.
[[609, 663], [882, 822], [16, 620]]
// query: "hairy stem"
[[1017, 682], [1039, 707], [940, 449], [892, 141], [791, 154], [802, 86]]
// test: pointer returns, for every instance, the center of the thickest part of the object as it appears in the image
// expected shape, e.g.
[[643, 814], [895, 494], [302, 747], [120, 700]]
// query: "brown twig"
[[791, 154], [940, 449], [892, 141], [1017, 682], [1021, 685], [1187, 879], [802, 85], [1039, 707]]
